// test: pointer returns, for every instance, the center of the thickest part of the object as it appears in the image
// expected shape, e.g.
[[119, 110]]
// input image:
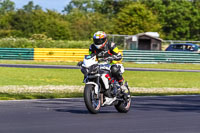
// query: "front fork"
[[99, 89], [97, 86]]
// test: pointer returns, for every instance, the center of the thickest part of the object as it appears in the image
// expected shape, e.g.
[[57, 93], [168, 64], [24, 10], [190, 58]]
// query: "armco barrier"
[[144, 56], [16, 53], [62, 54], [59, 54]]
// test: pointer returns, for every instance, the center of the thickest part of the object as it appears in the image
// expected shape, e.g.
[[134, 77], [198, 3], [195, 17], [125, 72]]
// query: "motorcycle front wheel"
[[92, 102]]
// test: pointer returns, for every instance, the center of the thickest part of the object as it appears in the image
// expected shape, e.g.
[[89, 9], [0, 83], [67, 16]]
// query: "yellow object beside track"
[[60, 54]]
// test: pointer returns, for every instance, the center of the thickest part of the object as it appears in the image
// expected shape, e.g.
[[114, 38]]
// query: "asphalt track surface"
[[164, 114], [76, 67]]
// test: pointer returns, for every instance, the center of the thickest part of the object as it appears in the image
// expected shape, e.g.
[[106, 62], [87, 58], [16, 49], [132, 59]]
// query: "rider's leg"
[[117, 73]]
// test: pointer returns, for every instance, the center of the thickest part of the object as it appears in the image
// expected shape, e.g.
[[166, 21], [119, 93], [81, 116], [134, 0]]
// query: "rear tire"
[[91, 101], [124, 106]]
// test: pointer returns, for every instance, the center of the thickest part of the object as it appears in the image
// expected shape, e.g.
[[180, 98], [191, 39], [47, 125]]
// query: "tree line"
[[174, 20]]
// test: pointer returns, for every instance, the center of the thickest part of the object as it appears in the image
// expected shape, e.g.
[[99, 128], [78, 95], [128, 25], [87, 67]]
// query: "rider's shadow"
[[81, 111], [74, 111]]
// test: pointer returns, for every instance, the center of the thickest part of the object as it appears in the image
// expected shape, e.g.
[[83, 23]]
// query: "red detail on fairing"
[[108, 76], [95, 51]]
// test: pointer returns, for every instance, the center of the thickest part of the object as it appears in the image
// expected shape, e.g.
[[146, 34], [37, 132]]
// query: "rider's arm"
[[115, 52], [91, 50]]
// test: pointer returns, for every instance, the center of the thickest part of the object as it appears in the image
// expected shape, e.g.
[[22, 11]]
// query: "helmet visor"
[[99, 41]]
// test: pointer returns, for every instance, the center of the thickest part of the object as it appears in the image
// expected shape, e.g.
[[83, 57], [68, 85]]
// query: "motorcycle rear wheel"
[[124, 106], [91, 101]]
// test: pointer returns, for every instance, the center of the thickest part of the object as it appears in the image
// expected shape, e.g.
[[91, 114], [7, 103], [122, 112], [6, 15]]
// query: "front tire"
[[92, 102]]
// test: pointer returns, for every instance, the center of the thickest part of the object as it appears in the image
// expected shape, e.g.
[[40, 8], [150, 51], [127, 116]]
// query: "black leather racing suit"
[[109, 50]]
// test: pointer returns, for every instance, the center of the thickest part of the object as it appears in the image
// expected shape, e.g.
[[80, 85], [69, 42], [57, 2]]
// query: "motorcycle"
[[101, 88]]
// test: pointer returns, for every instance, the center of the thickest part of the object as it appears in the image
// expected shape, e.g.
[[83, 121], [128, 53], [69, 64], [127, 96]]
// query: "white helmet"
[[100, 39]]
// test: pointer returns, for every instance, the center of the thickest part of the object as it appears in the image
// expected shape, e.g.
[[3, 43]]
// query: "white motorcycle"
[[101, 89]]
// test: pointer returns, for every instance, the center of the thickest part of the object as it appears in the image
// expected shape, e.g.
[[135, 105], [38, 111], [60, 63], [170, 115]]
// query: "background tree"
[[179, 19], [30, 7], [134, 19], [81, 5], [83, 25], [6, 6], [112, 7], [39, 22], [57, 27], [175, 20], [107, 7]]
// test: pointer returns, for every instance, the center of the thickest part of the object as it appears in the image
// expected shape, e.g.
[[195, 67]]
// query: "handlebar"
[[106, 59]]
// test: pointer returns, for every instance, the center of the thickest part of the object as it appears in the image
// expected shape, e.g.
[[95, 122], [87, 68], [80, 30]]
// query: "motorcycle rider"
[[103, 48]]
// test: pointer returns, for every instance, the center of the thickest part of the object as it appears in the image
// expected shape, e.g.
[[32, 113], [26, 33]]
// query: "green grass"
[[164, 66], [163, 79], [36, 62], [30, 76], [126, 64], [13, 96], [39, 77]]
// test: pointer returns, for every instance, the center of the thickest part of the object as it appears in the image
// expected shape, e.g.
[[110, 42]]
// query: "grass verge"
[[39, 76], [13, 96], [39, 92], [126, 64], [145, 83], [57, 91], [36, 62], [165, 66]]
